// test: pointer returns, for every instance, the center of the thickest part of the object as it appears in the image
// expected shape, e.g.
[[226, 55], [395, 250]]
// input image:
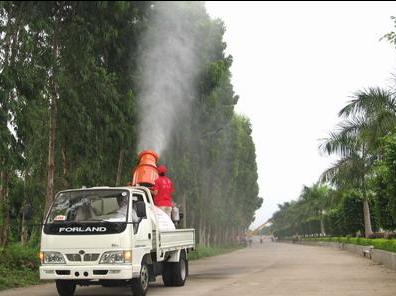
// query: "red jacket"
[[165, 189]]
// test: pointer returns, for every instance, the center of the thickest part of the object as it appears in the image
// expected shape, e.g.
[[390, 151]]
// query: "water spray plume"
[[169, 68]]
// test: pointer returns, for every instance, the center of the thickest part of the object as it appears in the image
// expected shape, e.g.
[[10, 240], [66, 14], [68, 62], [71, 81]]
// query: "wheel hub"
[[183, 269]]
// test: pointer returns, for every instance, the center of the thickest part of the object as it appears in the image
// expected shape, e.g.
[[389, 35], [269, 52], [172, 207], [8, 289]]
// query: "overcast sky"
[[296, 64]]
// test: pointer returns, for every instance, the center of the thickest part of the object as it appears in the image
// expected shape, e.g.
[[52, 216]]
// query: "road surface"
[[274, 269]]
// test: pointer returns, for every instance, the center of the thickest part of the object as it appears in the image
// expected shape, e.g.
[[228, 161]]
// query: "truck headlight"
[[52, 258], [116, 257]]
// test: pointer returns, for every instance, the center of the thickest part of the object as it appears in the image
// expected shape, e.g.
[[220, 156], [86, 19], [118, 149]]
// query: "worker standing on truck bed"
[[163, 190]]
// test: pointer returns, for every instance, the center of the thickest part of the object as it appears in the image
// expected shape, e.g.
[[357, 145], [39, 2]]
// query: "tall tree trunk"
[[201, 231], [191, 222], [208, 235], [184, 209], [24, 230], [119, 167], [215, 235], [4, 204], [65, 167], [52, 121], [322, 227], [367, 219], [366, 208], [51, 156], [200, 226]]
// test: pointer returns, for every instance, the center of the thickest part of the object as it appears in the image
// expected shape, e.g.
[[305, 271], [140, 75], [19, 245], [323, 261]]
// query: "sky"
[[295, 65]]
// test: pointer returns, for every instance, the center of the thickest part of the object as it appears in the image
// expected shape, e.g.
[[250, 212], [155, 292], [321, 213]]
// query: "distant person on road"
[[163, 190]]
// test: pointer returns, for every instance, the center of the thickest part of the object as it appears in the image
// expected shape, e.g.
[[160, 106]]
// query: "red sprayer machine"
[[146, 172]]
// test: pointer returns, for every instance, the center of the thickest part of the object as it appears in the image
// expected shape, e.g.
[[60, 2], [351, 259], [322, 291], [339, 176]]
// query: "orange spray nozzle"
[[146, 172]]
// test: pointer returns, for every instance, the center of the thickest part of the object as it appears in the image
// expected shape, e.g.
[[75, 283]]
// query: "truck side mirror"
[[27, 212], [141, 209]]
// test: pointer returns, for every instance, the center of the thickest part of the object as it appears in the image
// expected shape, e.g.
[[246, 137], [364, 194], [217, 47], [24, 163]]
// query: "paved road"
[[270, 269]]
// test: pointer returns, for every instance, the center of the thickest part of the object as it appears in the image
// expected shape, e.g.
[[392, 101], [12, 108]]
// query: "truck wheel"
[[175, 273], [65, 287], [167, 274], [140, 284], [180, 271]]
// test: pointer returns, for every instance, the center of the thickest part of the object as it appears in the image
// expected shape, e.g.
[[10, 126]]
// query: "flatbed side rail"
[[177, 239]]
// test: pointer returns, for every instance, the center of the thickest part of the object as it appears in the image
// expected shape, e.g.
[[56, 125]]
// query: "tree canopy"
[[69, 99]]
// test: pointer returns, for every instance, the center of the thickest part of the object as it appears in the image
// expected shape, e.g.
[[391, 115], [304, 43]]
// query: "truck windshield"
[[90, 206]]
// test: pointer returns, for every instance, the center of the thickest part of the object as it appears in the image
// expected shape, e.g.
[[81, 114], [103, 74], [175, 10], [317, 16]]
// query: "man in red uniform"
[[163, 190]]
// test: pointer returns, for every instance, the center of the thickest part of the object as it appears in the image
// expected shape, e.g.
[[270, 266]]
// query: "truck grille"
[[73, 257], [78, 258], [91, 257]]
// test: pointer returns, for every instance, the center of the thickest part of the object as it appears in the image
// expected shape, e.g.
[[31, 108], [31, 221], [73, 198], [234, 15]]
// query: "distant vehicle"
[[243, 241]]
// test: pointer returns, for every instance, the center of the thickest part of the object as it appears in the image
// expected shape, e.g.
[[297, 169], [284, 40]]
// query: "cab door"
[[142, 227]]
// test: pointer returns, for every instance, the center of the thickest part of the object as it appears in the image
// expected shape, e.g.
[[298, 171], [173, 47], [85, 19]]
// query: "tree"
[[366, 119], [317, 200], [70, 80]]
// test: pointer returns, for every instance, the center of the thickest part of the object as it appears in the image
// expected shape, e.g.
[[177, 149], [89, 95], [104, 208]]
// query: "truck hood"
[[109, 241], [87, 241]]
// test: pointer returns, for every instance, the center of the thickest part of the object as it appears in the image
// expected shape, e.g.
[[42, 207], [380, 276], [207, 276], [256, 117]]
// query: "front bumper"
[[89, 272]]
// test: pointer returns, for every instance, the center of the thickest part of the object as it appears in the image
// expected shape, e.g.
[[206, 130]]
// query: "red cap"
[[162, 169]]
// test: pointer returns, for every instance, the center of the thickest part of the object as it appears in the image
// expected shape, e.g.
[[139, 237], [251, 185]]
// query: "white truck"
[[111, 236]]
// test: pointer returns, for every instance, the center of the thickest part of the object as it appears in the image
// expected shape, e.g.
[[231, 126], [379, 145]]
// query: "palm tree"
[[352, 170], [366, 119], [371, 114], [316, 200]]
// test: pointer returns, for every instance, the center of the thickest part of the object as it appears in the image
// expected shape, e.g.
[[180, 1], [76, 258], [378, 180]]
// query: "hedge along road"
[[269, 269]]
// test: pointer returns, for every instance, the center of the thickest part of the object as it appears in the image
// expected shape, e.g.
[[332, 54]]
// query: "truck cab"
[[111, 236]]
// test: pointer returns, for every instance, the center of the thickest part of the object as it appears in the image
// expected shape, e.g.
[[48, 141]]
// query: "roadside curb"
[[386, 258]]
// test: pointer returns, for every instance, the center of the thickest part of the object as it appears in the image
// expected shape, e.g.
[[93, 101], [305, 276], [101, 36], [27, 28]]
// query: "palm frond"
[[347, 170], [369, 101], [339, 142]]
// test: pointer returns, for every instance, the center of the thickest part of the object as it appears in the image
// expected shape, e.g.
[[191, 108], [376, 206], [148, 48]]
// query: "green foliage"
[[342, 216], [19, 266], [384, 185], [82, 58], [12, 278], [20, 256], [304, 216]]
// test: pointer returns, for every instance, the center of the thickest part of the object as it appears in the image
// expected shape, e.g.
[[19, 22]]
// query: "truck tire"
[[180, 271], [174, 274], [140, 284], [65, 287], [167, 274]]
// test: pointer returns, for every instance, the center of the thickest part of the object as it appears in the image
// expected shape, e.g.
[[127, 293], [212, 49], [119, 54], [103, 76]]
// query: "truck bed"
[[175, 240]]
